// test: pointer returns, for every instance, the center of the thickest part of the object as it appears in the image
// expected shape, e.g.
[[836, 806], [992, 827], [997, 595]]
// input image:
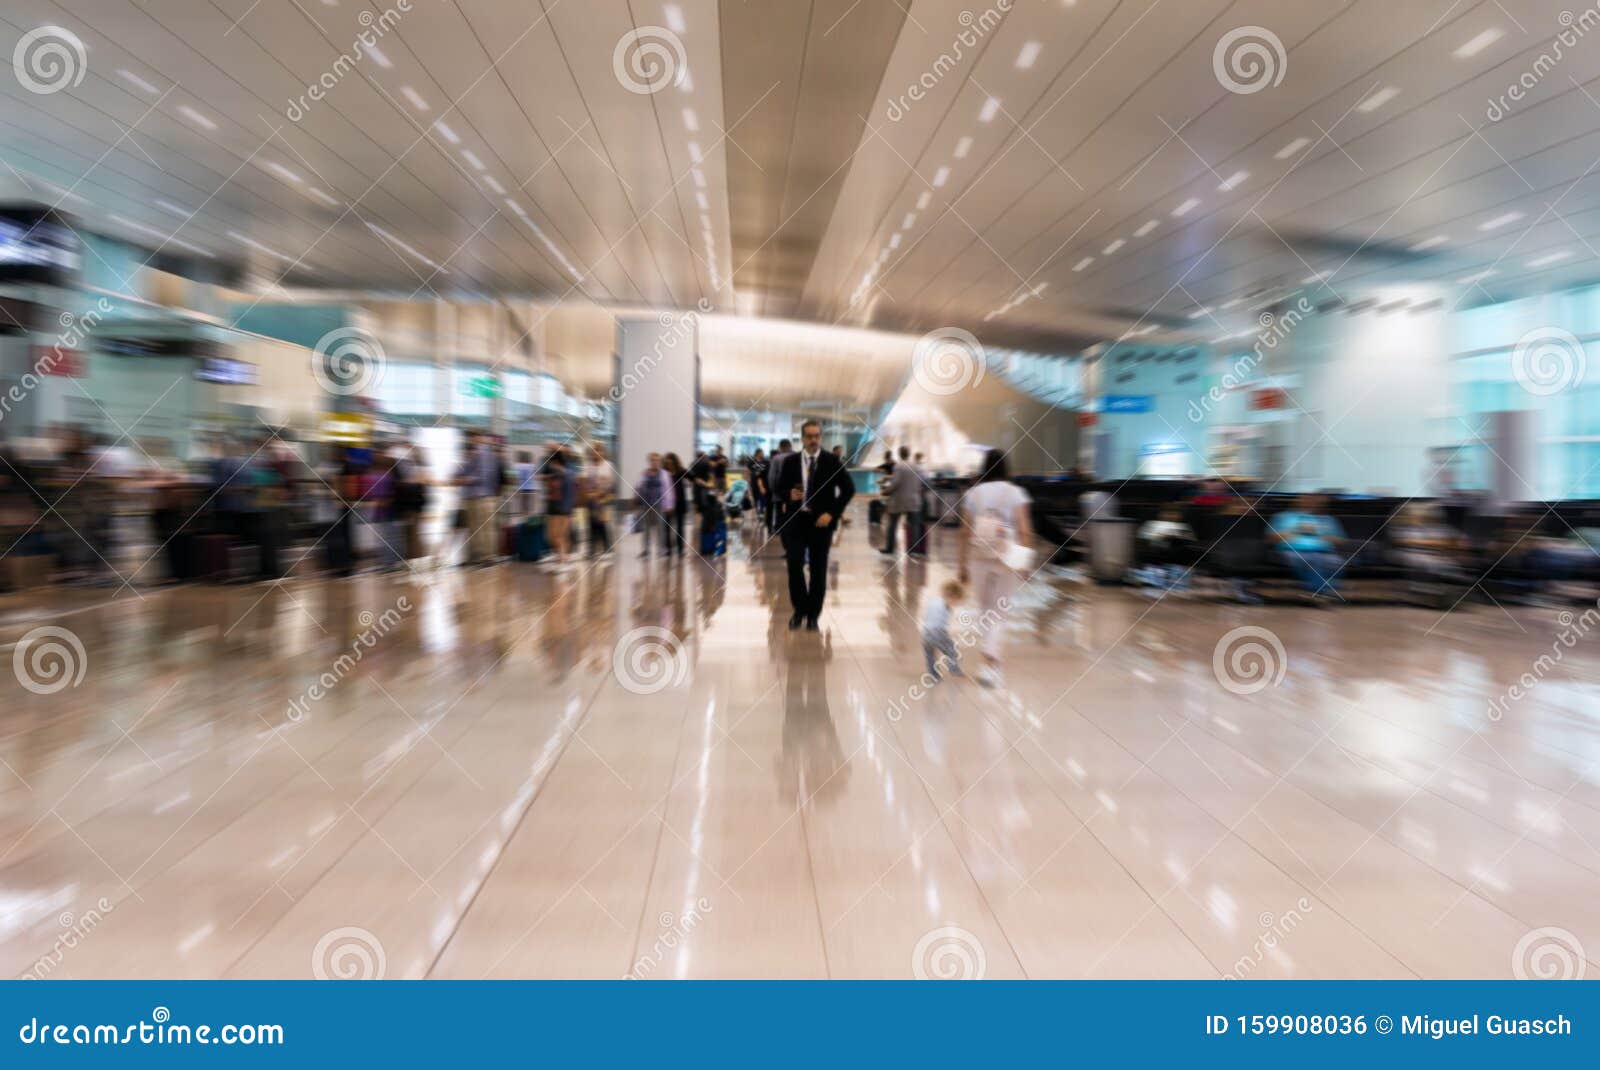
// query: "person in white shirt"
[[994, 519]]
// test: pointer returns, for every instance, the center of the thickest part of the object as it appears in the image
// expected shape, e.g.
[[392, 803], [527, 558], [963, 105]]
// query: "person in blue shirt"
[[1310, 542]]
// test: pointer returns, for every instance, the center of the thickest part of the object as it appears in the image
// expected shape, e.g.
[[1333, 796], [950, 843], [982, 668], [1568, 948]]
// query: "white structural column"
[[656, 388]]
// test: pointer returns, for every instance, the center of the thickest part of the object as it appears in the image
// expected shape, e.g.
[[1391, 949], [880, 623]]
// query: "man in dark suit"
[[812, 489]]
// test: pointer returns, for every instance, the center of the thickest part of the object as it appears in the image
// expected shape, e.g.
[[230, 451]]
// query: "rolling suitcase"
[[875, 511], [530, 539], [211, 558], [917, 541]]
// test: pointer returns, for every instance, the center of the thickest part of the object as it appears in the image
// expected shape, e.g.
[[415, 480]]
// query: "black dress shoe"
[[795, 622], [811, 624]]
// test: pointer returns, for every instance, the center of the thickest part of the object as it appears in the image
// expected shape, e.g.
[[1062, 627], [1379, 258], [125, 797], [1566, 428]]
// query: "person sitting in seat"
[[1311, 542], [1428, 548], [1167, 546]]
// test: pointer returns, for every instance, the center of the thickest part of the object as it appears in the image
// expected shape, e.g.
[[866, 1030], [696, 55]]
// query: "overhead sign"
[[482, 386], [1271, 398], [1128, 403], [60, 361], [37, 245]]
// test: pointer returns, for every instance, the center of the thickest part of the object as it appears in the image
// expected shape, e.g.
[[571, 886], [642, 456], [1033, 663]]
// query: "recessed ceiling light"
[[674, 17], [909, 221], [1550, 258], [894, 240], [1030, 52], [1186, 207], [1479, 277], [1233, 181], [1479, 43], [1235, 303], [1313, 278], [1429, 243], [1200, 311], [175, 209], [447, 133], [700, 199], [494, 184], [245, 239], [941, 176], [324, 196], [691, 121], [1505, 219], [196, 117], [1378, 99], [685, 83], [414, 97], [990, 109], [1085, 262], [923, 199], [137, 82], [694, 152], [515, 207], [472, 158], [1291, 148], [1147, 228], [963, 147], [282, 172], [699, 177], [1113, 247], [378, 57]]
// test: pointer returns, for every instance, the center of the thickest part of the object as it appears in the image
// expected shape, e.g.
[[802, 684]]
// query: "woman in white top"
[[994, 519]]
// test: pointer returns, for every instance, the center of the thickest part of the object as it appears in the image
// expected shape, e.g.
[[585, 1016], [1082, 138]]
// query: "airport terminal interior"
[[940, 489]]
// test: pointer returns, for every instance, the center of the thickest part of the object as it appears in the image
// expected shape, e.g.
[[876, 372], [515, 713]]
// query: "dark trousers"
[[805, 543], [913, 531], [599, 533]]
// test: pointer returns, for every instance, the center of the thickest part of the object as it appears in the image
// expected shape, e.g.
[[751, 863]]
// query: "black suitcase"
[[875, 511]]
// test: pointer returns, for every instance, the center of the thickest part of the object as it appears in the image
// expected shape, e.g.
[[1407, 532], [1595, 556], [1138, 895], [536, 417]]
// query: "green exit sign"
[[483, 386]]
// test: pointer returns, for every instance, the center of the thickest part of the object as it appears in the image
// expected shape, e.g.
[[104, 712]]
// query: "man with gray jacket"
[[903, 498]]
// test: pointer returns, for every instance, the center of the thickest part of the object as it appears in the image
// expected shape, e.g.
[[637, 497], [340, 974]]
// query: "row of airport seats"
[[1509, 548]]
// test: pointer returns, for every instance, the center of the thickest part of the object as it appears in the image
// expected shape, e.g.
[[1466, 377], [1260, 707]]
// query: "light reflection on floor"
[[637, 769]]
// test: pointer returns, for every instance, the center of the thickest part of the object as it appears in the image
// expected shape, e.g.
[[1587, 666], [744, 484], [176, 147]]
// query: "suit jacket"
[[831, 485], [905, 489]]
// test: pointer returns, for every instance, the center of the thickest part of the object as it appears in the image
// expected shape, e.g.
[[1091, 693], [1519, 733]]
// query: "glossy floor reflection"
[[636, 769]]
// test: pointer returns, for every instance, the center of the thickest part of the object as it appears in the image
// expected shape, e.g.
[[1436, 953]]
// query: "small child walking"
[[936, 639]]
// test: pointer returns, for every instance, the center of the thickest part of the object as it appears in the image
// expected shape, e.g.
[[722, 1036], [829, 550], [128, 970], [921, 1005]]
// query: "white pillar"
[[656, 388]]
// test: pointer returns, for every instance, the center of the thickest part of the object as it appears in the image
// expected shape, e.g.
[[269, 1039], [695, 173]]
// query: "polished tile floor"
[[636, 769]]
